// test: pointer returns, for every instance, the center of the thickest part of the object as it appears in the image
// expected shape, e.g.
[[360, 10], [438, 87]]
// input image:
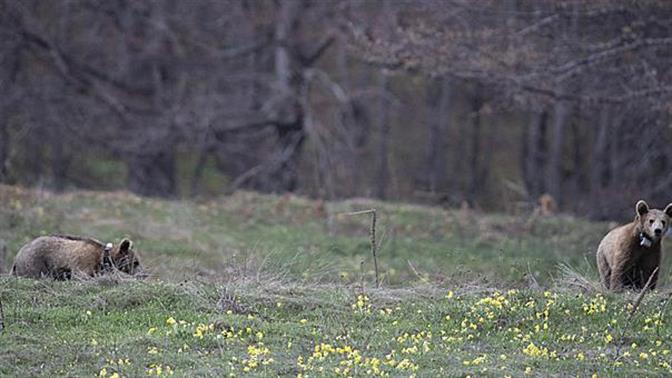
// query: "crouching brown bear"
[[64, 256], [629, 255]]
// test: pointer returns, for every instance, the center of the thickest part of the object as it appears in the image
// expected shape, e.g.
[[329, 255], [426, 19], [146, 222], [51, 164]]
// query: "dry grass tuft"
[[571, 279]]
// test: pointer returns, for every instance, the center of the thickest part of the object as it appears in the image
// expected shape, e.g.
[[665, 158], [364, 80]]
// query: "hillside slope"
[[264, 286], [308, 239]]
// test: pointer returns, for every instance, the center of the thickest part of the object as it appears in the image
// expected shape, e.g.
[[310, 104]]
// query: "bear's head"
[[124, 257], [653, 223]]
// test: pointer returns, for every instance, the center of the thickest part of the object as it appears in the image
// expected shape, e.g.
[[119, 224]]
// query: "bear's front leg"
[[616, 279], [650, 269], [604, 270]]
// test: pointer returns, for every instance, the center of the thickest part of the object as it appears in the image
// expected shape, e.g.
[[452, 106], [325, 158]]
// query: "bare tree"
[[297, 96], [438, 121], [567, 56]]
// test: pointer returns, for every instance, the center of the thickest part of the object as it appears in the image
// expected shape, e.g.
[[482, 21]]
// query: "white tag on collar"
[[645, 242]]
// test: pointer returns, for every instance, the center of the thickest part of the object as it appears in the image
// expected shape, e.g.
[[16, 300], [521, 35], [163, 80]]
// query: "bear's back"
[[58, 255]]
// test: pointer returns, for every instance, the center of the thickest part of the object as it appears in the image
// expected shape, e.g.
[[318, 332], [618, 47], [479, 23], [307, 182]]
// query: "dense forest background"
[[486, 103]]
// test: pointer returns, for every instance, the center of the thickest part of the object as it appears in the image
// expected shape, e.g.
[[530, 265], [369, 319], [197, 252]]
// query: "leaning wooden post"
[[372, 237], [2, 317]]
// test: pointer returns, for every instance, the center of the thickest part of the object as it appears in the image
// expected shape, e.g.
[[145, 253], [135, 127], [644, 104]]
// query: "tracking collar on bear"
[[107, 264], [645, 240]]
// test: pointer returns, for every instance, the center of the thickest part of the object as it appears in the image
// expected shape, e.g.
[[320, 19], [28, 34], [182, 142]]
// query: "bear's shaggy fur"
[[62, 256], [628, 255]]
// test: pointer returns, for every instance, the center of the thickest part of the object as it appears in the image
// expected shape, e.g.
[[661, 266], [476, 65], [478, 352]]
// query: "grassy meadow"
[[259, 285]]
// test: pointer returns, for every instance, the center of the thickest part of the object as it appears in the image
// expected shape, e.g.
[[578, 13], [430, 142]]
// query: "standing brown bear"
[[61, 256], [628, 255]]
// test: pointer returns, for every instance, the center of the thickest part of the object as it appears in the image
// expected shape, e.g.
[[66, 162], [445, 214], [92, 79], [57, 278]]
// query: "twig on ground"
[[532, 282], [635, 306], [637, 302], [415, 271]]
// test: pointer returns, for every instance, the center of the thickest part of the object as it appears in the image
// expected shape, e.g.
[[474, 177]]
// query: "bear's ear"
[[668, 210], [125, 246], [641, 207]]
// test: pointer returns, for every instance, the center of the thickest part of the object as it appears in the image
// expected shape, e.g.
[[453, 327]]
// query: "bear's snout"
[[658, 231]]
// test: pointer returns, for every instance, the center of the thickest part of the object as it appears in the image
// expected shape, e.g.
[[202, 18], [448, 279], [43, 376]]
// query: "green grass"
[[180, 239], [267, 327], [256, 283]]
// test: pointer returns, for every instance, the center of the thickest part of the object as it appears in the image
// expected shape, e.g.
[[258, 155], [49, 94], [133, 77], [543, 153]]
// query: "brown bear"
[[62, 256], [628, 255]]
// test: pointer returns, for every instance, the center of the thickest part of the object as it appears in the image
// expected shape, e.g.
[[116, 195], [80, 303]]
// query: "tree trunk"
[[534, 164], [255, 62], [285, 175], [205, 151], [475, 184], [59, 161], [8, 76], [383, 169], [4, 149], [290, 127], [437, 122], [555, 171], [459, 168], [35, 158], [349, 156], [580, 180], [533, 143], [486, 161], [561, 116], [614, 152], [283, 28], [599, 164], [153, 174]]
